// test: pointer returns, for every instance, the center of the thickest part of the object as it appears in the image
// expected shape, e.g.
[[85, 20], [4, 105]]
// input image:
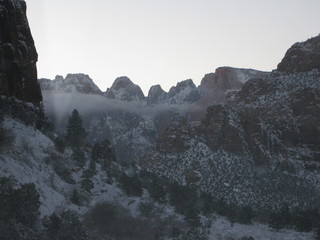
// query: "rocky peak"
[[207, 82], [124, 89], [18, 56], [302, 56], [156, 94], [79, 82], [214, 86], [184, 92]]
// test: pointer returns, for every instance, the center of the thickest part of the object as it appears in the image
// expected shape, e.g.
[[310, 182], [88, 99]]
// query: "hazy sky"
[[165, 41]]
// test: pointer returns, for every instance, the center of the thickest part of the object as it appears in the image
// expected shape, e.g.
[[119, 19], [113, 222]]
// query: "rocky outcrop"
[[215, 86], [185, 92], [302, 56], [156, 95], [18, 56], [124, 89], [73, 83]]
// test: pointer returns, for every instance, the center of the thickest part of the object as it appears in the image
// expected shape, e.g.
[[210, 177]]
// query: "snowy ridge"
[[73, 83]]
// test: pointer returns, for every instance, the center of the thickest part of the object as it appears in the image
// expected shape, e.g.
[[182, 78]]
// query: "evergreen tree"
[[59, 144], [67, 226], [131, 185], [78, 156], [103, 153], [317, 232], [280, 219], [76, 133], [87, 184], [91, 171]]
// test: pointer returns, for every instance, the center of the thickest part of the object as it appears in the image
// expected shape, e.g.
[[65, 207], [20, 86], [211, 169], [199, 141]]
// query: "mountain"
[[124, 89], [185, 92], [73, 83], [302, 56], [18, 56], [256, 149], [215, 86], [162, 167]]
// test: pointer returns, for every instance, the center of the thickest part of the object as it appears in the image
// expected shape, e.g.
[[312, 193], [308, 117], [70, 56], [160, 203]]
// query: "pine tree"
[[76, 133], [67, 226], [78, 156], [103, 151], [59, 144]]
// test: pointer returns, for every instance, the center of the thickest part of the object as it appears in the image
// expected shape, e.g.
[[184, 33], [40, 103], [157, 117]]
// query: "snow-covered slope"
[[258, 149], [221, 228]]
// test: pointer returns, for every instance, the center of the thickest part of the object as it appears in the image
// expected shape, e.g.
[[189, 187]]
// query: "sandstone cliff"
[[18, 56]]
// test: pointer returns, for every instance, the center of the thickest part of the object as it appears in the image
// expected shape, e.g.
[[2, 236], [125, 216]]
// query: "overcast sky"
[[165, 41]]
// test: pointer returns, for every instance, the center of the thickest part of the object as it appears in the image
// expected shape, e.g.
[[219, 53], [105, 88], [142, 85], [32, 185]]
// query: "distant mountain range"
[[244, 144]]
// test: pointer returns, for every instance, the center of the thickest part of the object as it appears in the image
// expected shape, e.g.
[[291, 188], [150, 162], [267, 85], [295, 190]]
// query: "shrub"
[[132, 185], [108, 219], [6, 138], [59, 144], [67, 226], [60, 166]]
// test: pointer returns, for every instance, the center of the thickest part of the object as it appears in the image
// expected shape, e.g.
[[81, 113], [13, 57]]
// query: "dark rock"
[[302, 56], [18, 56]]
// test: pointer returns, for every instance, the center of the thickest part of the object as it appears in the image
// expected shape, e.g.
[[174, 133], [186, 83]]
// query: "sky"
[[165, 41]]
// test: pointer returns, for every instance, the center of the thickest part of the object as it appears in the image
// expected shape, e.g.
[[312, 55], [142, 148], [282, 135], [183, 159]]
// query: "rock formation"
[[80, 83], [124, 89], [302, 56], [257, 147], [215, 86], [18, 56]]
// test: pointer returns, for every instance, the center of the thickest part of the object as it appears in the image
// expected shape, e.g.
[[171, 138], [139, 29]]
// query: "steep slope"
[[18, 56]]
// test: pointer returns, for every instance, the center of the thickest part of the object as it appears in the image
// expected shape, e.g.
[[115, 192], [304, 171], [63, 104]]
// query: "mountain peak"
[[77, 82], [122, 82], [124, 89], [302, 56], [156, 94], [184, 92]]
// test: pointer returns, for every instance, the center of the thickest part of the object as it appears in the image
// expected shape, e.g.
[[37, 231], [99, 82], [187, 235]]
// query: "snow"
[[25, 162], [222, 229]]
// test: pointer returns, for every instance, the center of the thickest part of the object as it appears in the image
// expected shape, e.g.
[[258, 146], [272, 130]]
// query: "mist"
[[58, 107]]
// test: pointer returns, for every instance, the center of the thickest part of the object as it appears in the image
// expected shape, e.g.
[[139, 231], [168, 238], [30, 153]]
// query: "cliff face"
[[18, 56], [215, 86]]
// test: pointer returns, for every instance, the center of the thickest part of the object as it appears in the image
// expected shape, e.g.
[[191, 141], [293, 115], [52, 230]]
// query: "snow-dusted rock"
[[73, 83], [302, 56], [124, 89]]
